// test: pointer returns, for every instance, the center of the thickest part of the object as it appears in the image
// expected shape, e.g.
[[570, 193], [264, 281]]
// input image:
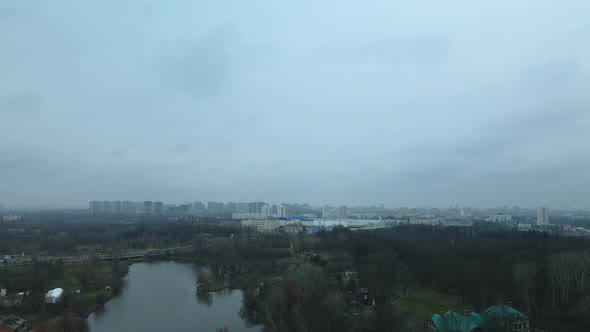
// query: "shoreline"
[[211, 289]]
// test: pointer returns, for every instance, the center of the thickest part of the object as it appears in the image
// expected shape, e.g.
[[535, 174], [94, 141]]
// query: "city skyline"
[[315, 205]]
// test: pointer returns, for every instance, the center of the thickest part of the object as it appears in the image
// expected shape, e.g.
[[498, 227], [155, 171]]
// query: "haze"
[[403, 103]]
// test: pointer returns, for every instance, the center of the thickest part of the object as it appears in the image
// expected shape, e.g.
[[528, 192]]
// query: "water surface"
[[161, 296]]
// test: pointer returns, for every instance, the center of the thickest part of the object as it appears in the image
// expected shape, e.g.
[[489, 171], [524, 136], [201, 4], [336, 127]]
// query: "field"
[[425, 304]]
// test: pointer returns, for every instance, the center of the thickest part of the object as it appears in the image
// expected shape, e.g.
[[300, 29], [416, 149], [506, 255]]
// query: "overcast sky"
[[405, 103]]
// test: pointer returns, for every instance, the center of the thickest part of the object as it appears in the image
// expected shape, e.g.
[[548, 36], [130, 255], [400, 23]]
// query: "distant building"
[[127, 207], [255, 207], [198, 207], [215, 207], [500, 218], [293, 229], [182, 209], [11, 218], [246, 215], [94, 207], [341, 213], [107, 207], [282, 211], [465, 212], [542, 217], [158, 208], [326, 212], [267, 225], [524, 227], [231, 207], [148, 207], [116, 207], [267, 211]]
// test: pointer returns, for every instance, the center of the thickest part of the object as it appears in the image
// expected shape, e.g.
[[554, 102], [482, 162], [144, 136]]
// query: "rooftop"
[[13, 322], [506, 313]]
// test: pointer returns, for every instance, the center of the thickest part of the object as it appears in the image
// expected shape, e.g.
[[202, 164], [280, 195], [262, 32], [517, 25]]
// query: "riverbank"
[[210, 288]]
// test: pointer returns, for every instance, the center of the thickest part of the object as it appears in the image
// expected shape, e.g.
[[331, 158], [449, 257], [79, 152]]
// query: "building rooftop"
[[14, 322], [506, 313], [451, 321]]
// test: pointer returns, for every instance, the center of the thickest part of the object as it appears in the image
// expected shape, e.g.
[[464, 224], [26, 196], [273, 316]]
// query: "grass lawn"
[[424, 305]]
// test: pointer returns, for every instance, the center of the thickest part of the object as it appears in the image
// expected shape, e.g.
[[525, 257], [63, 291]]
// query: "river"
[[160, 296]]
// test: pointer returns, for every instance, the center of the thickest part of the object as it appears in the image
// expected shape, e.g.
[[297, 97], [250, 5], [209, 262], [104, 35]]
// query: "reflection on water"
[[205, 298], [161, 296]]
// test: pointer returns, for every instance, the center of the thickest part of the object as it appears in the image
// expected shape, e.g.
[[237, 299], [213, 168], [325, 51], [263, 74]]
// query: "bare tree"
[[568, 273], [524, 277]]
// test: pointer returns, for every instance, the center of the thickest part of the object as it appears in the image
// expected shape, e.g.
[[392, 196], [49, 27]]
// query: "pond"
[[160, 296]]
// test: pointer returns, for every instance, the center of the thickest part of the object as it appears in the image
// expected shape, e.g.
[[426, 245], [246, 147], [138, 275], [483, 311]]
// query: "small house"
[[54, 295]]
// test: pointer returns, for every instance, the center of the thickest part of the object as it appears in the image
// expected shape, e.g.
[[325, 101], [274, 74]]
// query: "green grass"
[[424, 305]]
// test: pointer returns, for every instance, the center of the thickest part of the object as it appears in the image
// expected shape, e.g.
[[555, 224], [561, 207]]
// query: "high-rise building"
[[94, 207], [148, 207], [127, 207], [231, 207], [107, 207], [542, 216], [326, 211], [255, 207], [282, 211], [242, 207], [215, 207], [266, 211], [341, 213], [182, 209], [117, 207], [198, 207], [158, 207]]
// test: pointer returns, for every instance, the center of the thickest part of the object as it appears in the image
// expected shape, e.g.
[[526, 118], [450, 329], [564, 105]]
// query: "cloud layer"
[[344, 102]]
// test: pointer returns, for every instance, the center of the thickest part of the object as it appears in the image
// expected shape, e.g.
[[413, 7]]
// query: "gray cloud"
[[21, 103], [402, 103]]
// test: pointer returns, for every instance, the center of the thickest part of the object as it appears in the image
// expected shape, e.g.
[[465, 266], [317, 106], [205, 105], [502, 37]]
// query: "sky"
[[401, 103]]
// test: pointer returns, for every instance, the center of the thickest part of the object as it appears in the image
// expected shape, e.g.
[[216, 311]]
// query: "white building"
[[54, 295], [267, 211], [282, 211], [542, 216], [326, 211]]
